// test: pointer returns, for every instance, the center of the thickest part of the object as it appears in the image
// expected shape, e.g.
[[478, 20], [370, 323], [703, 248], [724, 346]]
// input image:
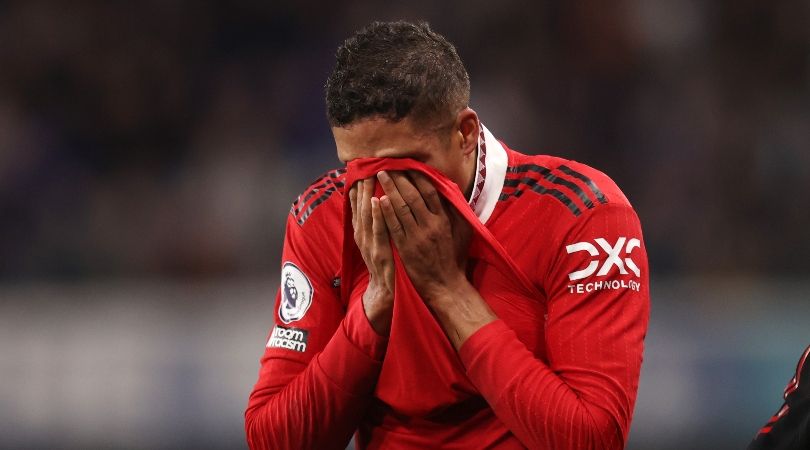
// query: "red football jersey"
[[558, 369]]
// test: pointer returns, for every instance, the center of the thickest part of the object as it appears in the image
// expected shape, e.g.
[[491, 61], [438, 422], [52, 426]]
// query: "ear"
[[468, 129]]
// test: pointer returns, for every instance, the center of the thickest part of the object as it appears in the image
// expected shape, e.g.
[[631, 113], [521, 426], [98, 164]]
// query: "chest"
[[525, 314]]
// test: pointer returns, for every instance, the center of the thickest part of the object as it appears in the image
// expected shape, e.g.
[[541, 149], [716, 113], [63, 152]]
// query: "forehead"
[[377, 137]]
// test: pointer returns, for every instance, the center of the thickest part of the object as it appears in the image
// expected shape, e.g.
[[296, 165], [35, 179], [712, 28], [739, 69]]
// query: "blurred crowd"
[[169, 138]]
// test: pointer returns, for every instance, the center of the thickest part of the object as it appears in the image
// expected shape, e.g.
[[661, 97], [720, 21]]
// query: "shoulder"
[[315, 228], [561, 184], [580, 220], [567, 202], [321, 201]]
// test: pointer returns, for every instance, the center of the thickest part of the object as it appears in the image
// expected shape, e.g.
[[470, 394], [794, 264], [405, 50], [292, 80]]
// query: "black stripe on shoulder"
[[326, 185], [325, 196], [591, 185], [548, 175], [326, 180], [534, 186]]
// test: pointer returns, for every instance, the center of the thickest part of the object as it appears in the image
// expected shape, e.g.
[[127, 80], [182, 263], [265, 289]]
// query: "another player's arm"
[[319, 370], [581, 399], [789, 428]]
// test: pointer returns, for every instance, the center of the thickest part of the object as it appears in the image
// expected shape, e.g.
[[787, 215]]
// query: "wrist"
[[445, 292], [461, 311], [378, 306], [362, 334]]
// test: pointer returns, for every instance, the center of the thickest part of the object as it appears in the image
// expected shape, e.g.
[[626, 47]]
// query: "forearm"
[[540, 407], [535, 403], [460, 310], [323, 404]]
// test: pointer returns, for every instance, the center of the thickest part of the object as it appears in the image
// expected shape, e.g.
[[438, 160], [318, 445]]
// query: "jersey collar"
[[490, 173]]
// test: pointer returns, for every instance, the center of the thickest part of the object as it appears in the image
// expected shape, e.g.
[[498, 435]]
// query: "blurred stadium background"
[[149, 152]]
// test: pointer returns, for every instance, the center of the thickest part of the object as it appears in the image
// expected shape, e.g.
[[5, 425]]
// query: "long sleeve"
[[582, 397], [321, 361], [321, 403]]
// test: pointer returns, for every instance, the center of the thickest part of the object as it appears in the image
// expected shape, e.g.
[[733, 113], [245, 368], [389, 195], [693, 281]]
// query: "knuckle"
[[380, 256], [410, 196]]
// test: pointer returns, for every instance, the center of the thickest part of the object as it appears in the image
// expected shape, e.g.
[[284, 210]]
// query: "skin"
[[430, 236]]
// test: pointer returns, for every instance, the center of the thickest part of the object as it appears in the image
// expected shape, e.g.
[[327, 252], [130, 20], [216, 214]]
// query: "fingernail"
[[382, 175], [384, 200]]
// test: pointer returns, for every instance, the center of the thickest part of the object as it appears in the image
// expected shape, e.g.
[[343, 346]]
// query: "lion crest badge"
[[296, 293]]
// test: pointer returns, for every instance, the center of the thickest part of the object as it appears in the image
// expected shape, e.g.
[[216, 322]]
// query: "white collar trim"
[[490, 173]]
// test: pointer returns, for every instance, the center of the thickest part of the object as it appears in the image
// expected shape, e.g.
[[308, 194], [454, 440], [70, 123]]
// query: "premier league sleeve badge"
[[296, 293]]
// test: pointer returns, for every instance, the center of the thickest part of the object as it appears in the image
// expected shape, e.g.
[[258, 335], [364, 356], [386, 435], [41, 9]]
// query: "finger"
[[412, 197], [378, 226], [400, 207], [353, 204], [392, 222], [449, 211], [462, 233], [368, 190], [428, 191], [360, 206]]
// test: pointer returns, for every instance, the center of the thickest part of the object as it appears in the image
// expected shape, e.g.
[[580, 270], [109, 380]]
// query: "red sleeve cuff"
[[493, 356], [485, 334], [353, 357], [359, 331]]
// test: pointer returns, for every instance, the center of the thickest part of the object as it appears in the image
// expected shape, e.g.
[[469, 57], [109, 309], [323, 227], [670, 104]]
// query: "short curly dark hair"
[[395, 70]]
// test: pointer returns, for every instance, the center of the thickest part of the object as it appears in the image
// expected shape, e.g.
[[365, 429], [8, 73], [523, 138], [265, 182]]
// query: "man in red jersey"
[[424, 344]]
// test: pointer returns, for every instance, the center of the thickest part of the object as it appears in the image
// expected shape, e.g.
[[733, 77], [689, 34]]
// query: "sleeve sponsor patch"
[[294, 339], [296, 293], [616, 261]]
